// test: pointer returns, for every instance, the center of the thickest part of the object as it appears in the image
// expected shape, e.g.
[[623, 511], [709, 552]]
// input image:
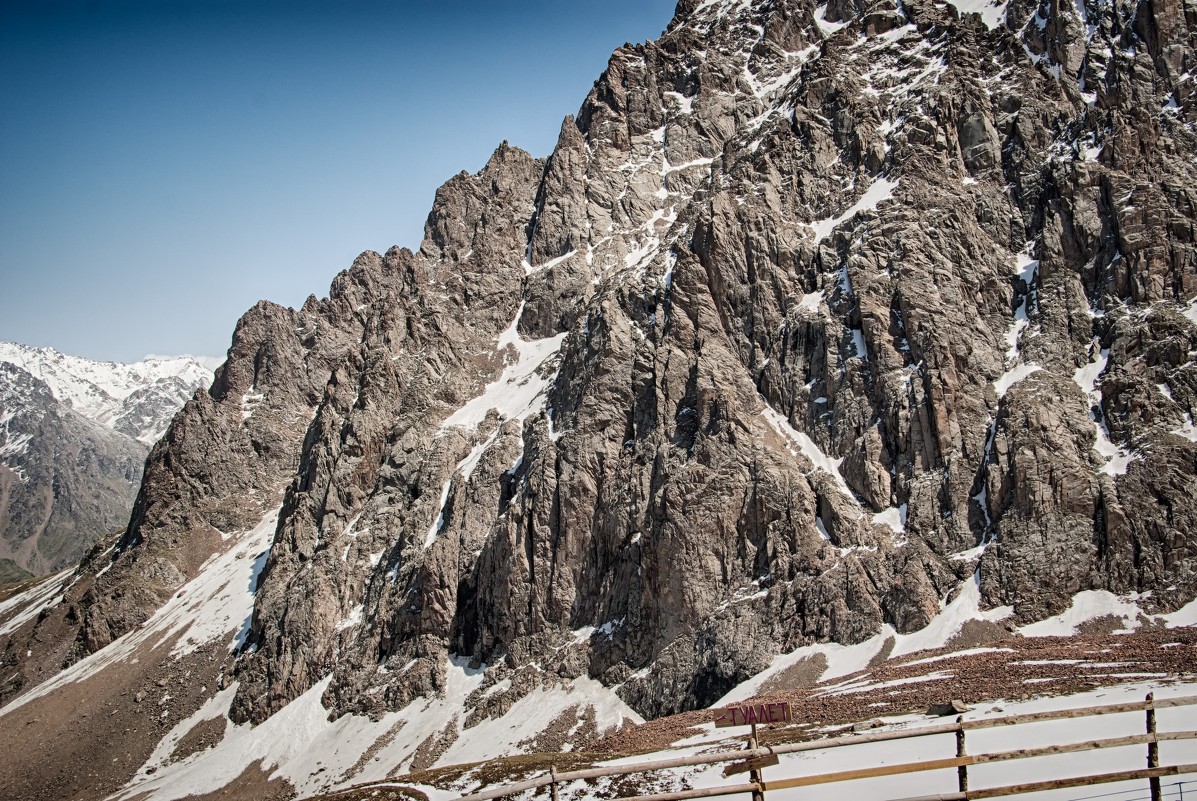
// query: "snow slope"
[[299, 744], [843, 660], [217, 602], [315, 755]]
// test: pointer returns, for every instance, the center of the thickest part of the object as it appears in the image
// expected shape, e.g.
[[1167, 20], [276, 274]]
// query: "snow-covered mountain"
[[137, 399], [74, 434]]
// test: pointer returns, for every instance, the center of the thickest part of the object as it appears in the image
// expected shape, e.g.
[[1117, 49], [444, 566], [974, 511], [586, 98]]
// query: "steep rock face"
[[813, 314]]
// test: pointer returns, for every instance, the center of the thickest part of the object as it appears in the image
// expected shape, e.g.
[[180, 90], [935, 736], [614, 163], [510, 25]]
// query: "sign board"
[[747, 714], [751, 764]]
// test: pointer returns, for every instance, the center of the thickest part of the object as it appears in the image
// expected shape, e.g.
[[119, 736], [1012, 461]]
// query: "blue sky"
[[164, 164]]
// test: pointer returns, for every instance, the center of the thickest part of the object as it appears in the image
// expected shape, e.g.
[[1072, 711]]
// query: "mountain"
[[74, 435], [137, 400], [841, 324]]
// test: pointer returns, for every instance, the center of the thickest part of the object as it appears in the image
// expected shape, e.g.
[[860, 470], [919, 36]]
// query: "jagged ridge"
[[813, 314]]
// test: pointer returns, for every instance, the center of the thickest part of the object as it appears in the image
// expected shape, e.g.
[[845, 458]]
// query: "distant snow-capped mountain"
[[74, 434], [137, 399]]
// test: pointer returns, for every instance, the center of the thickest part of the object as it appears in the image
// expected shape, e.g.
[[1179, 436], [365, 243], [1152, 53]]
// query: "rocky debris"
[[953, 707], [205, 735], [813, 314], [87, 739], [867, 725]]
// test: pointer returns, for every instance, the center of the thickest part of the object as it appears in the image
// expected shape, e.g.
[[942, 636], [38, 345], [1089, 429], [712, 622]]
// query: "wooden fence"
[[1152, 771]]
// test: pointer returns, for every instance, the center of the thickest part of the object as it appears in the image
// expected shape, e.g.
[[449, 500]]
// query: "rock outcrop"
[[813, 314]]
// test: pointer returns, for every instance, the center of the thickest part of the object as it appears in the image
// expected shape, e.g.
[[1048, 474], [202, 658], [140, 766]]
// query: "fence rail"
[[1152, 771]]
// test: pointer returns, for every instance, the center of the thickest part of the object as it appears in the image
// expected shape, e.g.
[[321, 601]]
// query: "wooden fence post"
[[962, 771], [1153, 749], [755, 776], [553, 783]]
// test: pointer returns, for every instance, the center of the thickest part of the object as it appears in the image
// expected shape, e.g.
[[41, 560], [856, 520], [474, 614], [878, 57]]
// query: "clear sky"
[[164, 164]]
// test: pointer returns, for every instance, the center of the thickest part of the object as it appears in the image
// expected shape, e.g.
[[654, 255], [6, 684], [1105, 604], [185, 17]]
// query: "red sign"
[[753, 713]]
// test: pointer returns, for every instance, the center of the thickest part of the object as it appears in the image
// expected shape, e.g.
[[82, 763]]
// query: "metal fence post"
[[962, 771], [1153, 749]]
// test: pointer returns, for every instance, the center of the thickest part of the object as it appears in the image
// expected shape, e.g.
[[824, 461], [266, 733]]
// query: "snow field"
[[1032, 735], [843, 660]]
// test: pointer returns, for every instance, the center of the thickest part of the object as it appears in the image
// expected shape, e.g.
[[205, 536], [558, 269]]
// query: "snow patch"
[[1086, 606], [828, 28], [894, 517], [843, 660], [1190, 311], [30, 603], [992, 12], [1116, 459], [879, 191], [811, 301], [1013, 376], [299, 743], [352, 619], [529, 269], [249, 402], [1185, 616], [515, 393], [807, 447]]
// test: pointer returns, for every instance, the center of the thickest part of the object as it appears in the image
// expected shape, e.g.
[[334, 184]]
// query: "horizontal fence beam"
[[978, 759], [1081, 781], [499, 792], [1079, 712], [702, 792], [867, 773], [1073, 748]]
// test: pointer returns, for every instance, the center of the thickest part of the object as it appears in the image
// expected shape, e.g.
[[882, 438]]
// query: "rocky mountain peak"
[[818, 322]]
